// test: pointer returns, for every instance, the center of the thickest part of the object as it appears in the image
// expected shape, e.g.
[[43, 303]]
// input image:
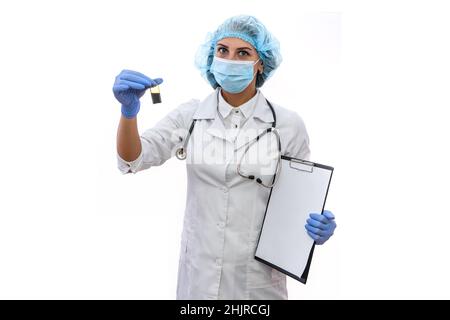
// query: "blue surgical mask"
[[233, 76]]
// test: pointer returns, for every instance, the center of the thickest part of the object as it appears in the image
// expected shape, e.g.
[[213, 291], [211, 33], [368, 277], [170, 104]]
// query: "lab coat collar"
[[208, 110], [246, 108]]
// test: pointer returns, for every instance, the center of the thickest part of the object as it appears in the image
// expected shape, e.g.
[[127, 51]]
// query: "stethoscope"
[[181, 152]]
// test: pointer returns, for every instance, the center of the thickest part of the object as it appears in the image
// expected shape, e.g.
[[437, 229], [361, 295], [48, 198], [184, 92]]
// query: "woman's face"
[[237, 49]]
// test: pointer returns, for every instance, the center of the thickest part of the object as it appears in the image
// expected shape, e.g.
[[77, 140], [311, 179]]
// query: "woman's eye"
[[243, 53], [221, 50]]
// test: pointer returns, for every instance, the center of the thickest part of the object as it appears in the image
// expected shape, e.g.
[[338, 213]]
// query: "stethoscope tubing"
[[181, 152]]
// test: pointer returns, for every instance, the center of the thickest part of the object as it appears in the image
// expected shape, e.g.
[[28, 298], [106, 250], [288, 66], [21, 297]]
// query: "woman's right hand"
[[129, 87]]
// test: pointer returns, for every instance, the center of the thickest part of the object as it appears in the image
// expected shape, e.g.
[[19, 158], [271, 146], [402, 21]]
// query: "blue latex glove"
[[129, 87], [321, 227]]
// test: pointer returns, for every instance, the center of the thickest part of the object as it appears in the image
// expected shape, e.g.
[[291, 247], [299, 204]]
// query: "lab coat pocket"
[[185, 238], [183, 272], [259, 275]]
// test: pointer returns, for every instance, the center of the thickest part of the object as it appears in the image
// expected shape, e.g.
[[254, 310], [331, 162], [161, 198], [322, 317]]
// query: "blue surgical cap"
[[249, 29]]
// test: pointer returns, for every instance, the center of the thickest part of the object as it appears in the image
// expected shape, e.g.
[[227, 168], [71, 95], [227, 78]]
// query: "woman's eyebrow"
[[220, 44]]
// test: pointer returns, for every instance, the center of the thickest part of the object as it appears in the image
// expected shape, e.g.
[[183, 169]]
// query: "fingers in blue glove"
[[328, 214], [137, 79], [129, 87], [319, 217], [142, 78], [120, 87], [131, 84], [315, 237], [317, 224], [158, 81], [314, 230], [320, 227]]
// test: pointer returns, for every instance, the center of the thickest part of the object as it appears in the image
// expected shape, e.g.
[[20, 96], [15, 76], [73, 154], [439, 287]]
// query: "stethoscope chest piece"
[[180, 153]]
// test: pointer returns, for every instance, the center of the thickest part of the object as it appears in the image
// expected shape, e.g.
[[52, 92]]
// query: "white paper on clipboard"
[[284, 244]]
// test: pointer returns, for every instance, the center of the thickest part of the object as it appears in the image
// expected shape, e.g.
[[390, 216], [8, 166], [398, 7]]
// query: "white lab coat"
[[224, 212]]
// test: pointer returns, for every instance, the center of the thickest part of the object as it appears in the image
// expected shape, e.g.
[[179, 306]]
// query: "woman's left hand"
[[321, 227]]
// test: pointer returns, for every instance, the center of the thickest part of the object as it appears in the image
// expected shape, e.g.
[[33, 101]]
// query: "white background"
[[369, 78]]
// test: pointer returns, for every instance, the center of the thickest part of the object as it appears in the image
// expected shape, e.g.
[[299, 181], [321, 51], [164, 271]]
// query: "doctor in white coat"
[[224, 209]]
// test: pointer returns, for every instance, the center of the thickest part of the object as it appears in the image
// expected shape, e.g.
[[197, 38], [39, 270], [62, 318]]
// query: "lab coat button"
[[218, 261]]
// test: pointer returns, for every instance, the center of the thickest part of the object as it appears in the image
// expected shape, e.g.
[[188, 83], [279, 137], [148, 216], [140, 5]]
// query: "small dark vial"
[[156, 94]]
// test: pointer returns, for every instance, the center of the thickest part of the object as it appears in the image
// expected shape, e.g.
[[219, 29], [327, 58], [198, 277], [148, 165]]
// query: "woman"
[[224, 210]]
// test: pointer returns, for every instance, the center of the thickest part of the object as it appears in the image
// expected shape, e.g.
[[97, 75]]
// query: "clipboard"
[[283, 242]]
